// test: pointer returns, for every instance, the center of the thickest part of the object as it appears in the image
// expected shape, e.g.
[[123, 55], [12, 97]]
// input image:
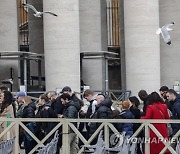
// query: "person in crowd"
[[20, 103], [126, 128], [55, 102], [143, 95], [74, 98], [70, 111], [156, 109], [134, 108], [6, 111], [103, 111], [28, 112], [89, 96], [45, 111], [19, 111], [174, 98], [163, 91]]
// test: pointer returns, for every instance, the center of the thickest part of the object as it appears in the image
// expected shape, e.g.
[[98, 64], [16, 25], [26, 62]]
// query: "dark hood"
[[72, 103], [126, 114], [107, 102], [32, 105]]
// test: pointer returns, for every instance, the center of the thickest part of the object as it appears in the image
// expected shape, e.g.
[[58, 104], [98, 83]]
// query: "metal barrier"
[[51, 147], [105, 124], [6, 147]]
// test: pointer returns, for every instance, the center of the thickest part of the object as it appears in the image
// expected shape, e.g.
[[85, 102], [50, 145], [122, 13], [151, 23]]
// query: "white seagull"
[[164, 32], [38, 13], [7, 81]]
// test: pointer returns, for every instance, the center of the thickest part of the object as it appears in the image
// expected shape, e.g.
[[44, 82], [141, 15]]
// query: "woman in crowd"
[[6, 111], [156, 109], [127, 128]]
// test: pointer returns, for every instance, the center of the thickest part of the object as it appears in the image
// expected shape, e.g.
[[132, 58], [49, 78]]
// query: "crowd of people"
[[164, 104]]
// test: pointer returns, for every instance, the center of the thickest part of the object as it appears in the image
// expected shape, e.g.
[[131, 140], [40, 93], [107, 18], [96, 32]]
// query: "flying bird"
[[7, 81], [38, 13], [165, 32]]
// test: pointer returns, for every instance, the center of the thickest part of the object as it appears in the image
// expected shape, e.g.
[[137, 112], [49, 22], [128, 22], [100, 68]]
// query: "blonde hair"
[[27, 100], [125, 105]]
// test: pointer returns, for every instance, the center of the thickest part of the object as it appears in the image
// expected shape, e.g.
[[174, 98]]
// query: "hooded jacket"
[[29, 110], [103, 111], [126, 127], [176, 114], [71, 110]]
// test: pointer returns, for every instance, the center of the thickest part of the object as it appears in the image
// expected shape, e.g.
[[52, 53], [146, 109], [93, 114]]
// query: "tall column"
[[169, 12], [61, 44], [8, 39], [93, 36], [142, 49], [36, 36]]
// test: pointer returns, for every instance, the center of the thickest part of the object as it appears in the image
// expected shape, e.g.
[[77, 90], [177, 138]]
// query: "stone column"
[[9, 39], [142, 49], [93, 36], [169, 12], [62, 44], [36, 36]]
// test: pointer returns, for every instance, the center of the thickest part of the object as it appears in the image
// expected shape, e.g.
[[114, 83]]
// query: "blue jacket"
[[176, 114], [126, 127]]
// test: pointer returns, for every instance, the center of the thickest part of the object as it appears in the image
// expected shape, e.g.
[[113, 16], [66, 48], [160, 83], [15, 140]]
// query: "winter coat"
[[29, 110], [71, 110], [176, 114], [103, 111], [126, 127], [43, 128], [8, 112], [157, 111], [137, 115], [77, 101], [57, 106]]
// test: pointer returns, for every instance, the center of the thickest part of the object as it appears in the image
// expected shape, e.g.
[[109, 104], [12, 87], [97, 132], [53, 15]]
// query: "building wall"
[[169, 11], [62, 44], [93, 38], [36, 36], [142, 50], [9, 39]]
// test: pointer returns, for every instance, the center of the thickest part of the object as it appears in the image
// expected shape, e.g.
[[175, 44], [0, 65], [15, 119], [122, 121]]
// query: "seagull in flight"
[[164, 32], [38, 13]]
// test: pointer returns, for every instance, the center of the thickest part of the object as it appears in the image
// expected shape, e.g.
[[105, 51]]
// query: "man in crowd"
[[103, 111], [143, 95], [70, 111], [174, 98], [163, 91], [73, 97]]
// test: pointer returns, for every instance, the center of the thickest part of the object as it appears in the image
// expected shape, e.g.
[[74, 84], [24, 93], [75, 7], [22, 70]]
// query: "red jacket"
[[157, 111]]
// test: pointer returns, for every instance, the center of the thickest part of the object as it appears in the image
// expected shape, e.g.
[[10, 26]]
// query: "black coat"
[[103, 111], [29, 110], [57, 106], [176, 114], [43, 128], [71, 110], [137, 115]]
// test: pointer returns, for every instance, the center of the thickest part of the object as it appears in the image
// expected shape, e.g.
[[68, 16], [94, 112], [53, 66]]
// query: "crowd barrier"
[[51, 147], [104, 124], [6, 147]]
